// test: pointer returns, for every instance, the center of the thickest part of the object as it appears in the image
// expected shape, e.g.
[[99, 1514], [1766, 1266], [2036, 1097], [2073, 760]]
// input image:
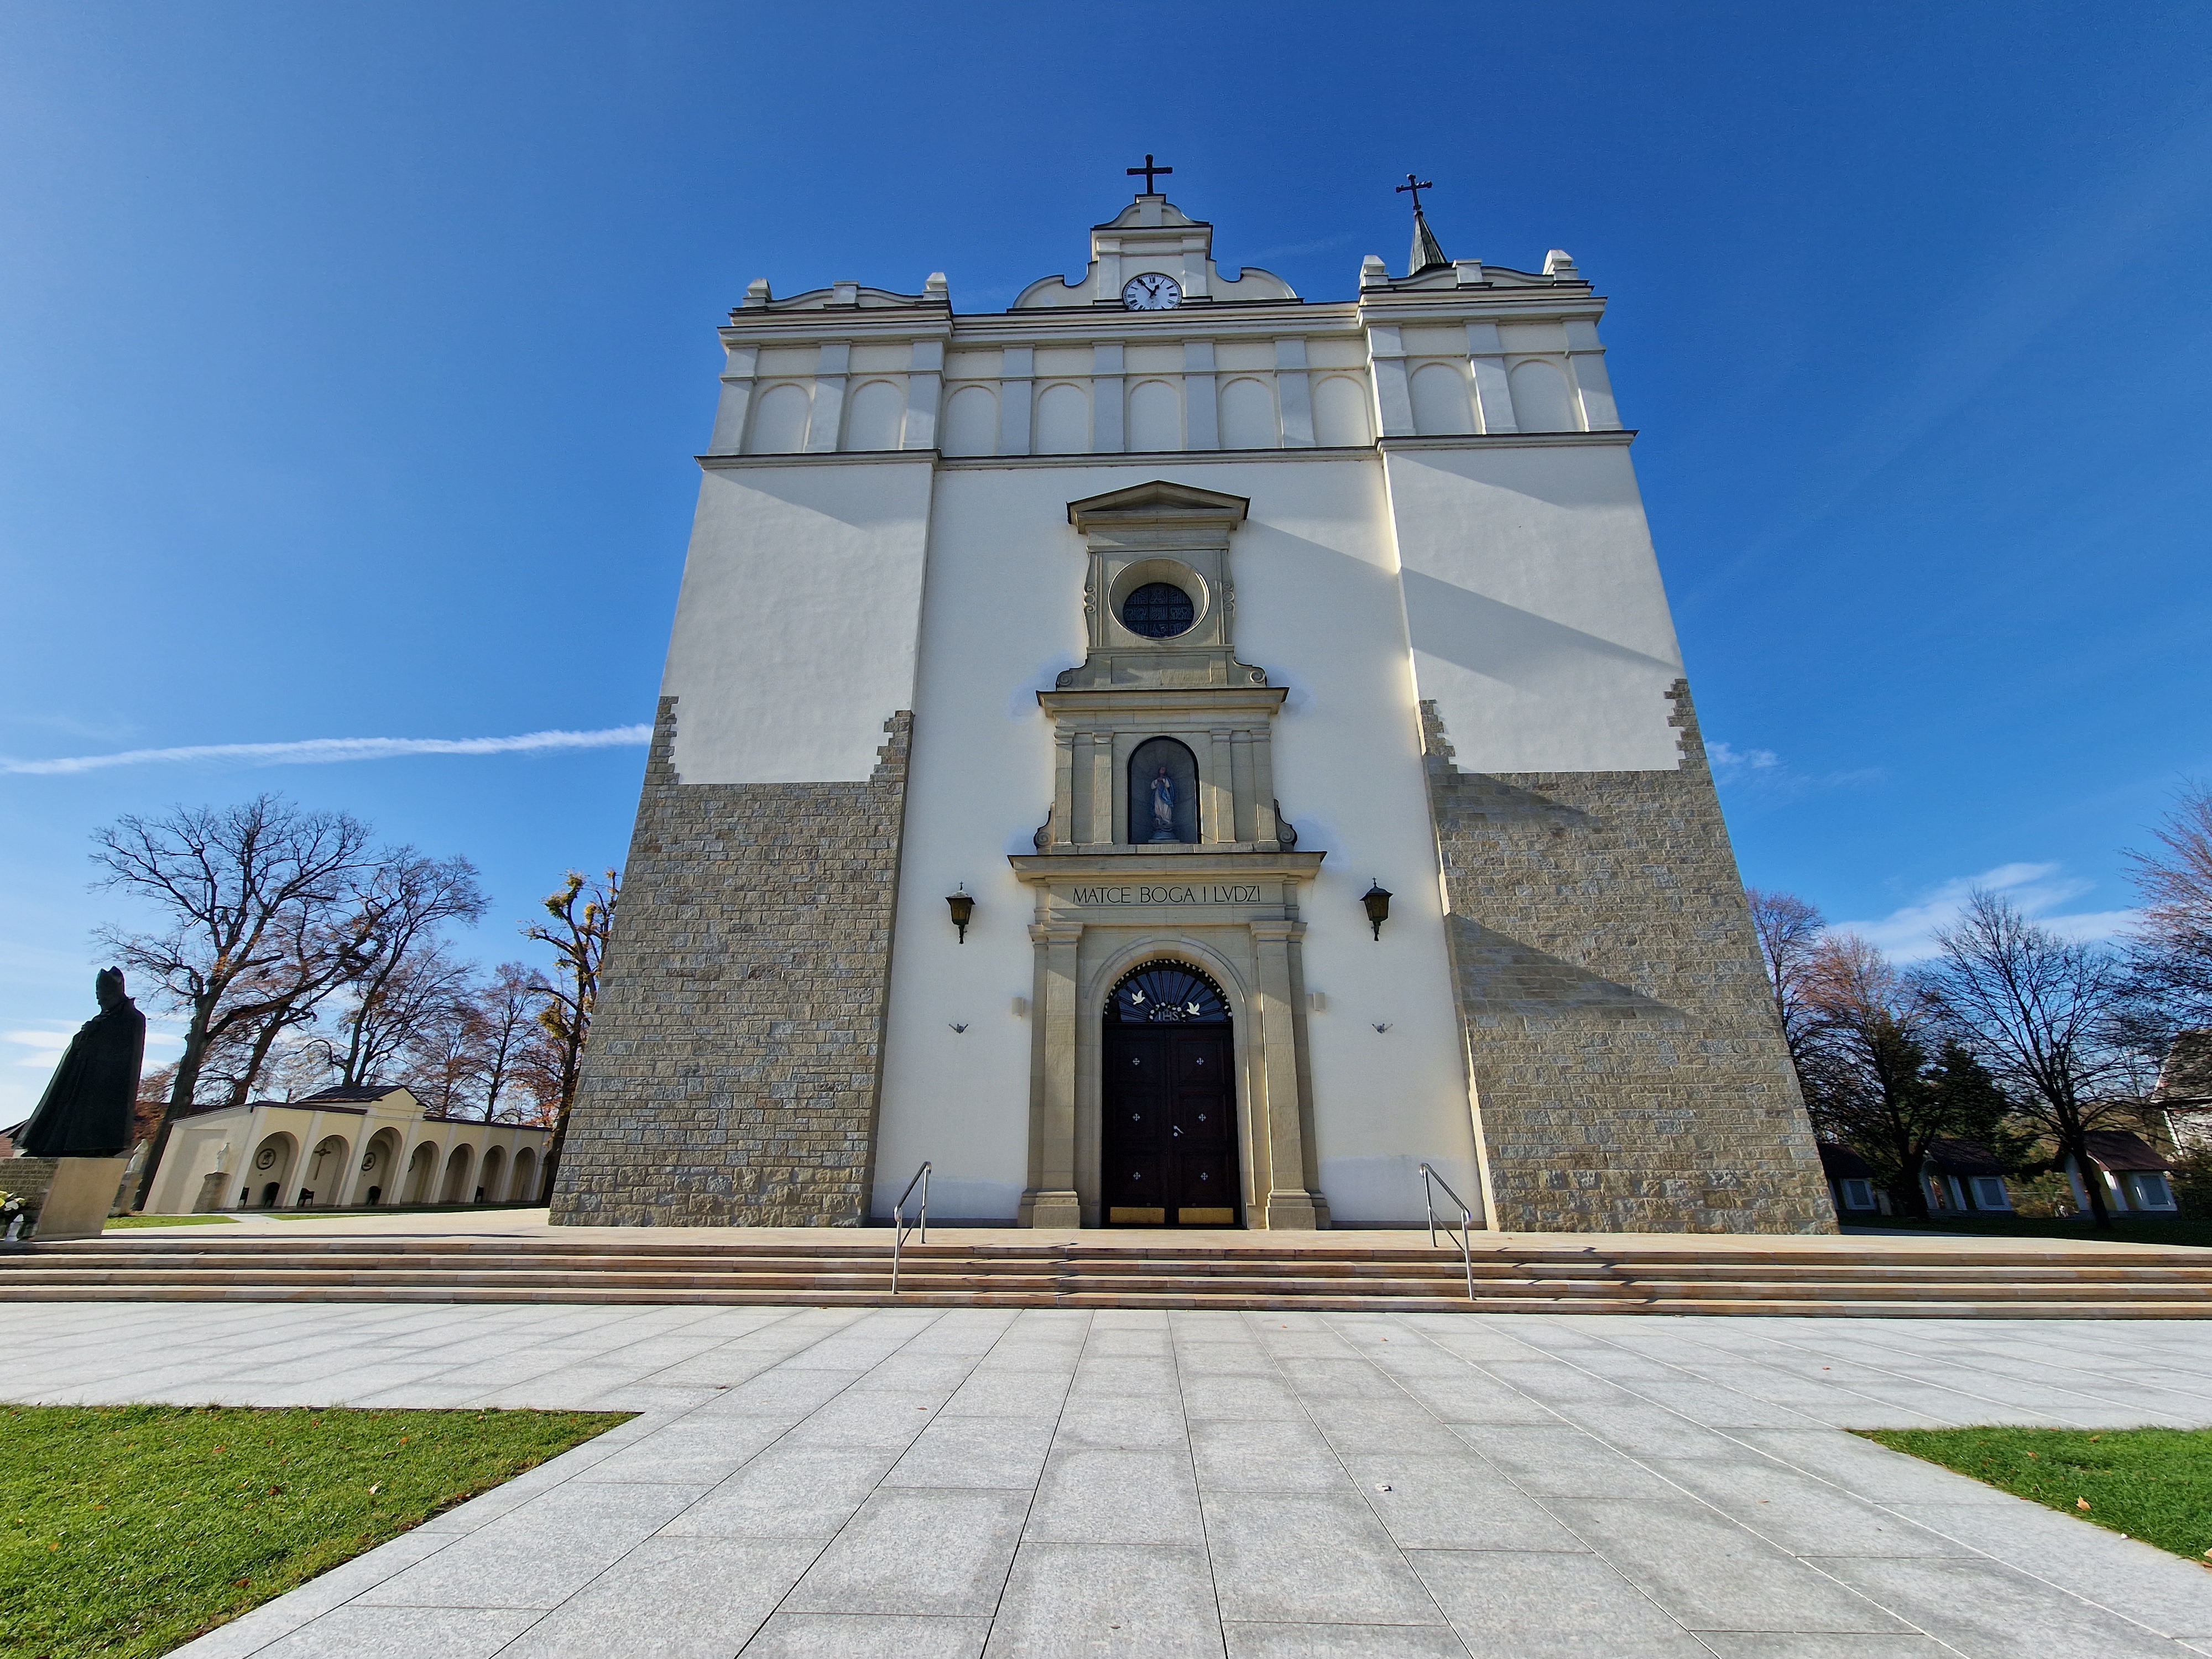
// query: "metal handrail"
[[901, 1226], [1429, 1182]]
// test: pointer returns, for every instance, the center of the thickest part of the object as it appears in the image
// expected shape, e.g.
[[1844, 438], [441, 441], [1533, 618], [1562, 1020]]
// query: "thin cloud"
[[46, 1047], [323, 751], [1764, 775], [1909, 934]]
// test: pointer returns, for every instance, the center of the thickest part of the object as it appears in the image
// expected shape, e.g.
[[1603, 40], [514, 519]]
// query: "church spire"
[[1428, 253]]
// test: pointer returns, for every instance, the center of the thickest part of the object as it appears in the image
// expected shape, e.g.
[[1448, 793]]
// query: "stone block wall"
[[1628, 1068], [27, 1178], [736, 1058]]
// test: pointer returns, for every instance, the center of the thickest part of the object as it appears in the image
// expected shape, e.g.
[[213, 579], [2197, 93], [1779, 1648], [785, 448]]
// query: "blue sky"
[[351, 362]]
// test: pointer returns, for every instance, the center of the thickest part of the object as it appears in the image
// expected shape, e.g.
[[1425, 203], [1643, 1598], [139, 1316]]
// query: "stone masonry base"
[[1628, 1069], [737, 1051]]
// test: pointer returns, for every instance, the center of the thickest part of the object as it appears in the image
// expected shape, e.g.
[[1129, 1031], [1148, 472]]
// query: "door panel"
[[1168, 1152]]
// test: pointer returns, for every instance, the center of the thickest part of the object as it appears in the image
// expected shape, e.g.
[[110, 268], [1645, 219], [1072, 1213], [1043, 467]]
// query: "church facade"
[[1170, 754]]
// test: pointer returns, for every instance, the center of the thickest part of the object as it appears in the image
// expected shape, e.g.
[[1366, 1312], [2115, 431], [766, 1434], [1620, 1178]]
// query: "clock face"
[[1152, 292]]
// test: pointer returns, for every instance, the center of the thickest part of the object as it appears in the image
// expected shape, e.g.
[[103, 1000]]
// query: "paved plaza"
[[930, 1484]]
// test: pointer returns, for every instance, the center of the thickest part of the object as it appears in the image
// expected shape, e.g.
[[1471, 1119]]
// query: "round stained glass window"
[[1157, 610]]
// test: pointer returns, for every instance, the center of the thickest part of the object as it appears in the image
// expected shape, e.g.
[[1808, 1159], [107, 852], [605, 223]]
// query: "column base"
[[1051, 1209], [1296, 1211]]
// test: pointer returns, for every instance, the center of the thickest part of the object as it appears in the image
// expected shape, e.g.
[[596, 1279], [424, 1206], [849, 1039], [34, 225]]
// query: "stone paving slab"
[[984, 1483]]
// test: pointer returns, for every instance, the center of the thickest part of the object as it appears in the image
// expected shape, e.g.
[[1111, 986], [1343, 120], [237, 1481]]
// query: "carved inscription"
[[1170, 893]]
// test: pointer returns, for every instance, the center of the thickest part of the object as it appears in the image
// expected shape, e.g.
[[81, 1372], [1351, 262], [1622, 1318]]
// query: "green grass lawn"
[[2151, 1484], [126, 1530], [2189, 1231], [113, 1222]]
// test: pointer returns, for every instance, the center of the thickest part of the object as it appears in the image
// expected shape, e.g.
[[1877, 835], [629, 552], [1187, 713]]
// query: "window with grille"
[[1158, 610]]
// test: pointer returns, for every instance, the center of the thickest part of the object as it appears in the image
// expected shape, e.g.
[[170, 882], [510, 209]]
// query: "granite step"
[[1671, 1277]]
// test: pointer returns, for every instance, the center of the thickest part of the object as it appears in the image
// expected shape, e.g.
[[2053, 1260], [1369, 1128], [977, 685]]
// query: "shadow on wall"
[[1507, 979], [1504, 643]]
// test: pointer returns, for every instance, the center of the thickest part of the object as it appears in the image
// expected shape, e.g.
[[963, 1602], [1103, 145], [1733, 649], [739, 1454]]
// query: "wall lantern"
[[962, 906], [1376, 898]]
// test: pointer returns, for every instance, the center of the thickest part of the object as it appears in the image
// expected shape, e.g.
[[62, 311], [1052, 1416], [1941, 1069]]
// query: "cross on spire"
[[1148, 170], [1416, 185]]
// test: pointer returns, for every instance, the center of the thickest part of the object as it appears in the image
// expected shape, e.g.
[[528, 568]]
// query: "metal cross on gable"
[[1148, 170], [1417, 185]]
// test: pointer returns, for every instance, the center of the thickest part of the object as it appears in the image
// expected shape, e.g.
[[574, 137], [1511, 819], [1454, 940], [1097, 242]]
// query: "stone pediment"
[[1159, 504]]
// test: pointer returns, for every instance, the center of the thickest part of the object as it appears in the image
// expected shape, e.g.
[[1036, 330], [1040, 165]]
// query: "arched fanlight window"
[[1167, 993]]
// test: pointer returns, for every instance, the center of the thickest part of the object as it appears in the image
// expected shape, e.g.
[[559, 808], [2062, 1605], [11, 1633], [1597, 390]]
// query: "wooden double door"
[[1168, 1141]]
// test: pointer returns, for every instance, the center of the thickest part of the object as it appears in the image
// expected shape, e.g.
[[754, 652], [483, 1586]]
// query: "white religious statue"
[[1163, 806]]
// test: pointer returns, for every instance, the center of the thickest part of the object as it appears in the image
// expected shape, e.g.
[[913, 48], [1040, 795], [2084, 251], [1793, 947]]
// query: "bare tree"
[[2044, 1013], [582, 912], [1790, 931], [405, 1010], [507, 1031], [240, 885], [397, 912], [2172, 939]]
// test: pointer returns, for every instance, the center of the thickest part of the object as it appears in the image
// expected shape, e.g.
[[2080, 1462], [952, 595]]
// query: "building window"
[[1989, 1193], [1858, 1194], [2148, 1191], [1158, 610]]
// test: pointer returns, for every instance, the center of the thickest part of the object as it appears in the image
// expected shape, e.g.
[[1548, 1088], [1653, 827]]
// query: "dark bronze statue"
[[87, 1107]]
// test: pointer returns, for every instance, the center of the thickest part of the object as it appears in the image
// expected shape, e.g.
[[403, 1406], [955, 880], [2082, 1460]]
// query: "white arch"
[[972, 422], [458, 1163], [1339, 409], [1155, 416], [1248, 416], [877, 413], [779, 421], [421, 1178], [525, 1175], [266, 1185], [379, 1170], [491, 1172], [330, 1167], [1063, 421], [1442, 406], [1541, 403]]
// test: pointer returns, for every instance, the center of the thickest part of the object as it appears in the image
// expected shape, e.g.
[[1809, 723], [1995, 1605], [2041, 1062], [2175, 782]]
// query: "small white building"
[[2134, 1174], [1964, 1177], [343, 1148]]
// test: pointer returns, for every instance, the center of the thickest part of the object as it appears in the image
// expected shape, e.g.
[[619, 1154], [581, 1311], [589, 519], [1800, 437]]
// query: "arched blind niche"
[[1162, 794]]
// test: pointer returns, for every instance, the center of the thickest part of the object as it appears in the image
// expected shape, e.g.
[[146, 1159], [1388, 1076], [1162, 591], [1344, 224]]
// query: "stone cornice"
[[1134, 863]]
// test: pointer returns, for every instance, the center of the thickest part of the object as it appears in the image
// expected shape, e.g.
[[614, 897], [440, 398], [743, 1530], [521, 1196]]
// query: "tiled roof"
[[2119, 1151], [1963, 1158], [1842, 1163], [2186, 1077]]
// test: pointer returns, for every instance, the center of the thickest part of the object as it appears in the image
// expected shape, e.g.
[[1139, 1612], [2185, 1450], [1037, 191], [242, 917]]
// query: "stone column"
[[1288, 1203], [1101, 828], [924, 387], [1051, 1199], [1587, 377], [1394, 398], [1109, 401], [1202, 405], [1294, 394], [1017, 366], [729, 437], [1065, 831], [827, 423], [1217, 791], [1493, 395]]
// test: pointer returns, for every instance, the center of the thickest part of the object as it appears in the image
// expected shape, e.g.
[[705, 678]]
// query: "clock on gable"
[[1152, 292]]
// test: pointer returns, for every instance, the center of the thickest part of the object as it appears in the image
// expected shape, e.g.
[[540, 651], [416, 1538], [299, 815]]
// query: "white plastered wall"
[[1533, 599], [1318, 607], [795, 632]]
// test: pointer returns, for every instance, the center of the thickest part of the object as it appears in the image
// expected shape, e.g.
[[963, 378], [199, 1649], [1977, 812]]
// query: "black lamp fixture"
[[962, 906], [1376, 898]]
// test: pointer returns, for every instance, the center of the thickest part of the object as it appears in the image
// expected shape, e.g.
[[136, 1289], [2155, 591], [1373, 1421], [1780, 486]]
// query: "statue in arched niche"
[[1164, 805]]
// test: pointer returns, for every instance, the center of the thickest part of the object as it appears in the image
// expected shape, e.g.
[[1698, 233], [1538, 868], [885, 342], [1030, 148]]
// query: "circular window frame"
[[1142, 573]]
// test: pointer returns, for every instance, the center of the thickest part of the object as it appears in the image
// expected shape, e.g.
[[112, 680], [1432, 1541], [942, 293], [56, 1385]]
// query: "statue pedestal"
[[80, 1197]]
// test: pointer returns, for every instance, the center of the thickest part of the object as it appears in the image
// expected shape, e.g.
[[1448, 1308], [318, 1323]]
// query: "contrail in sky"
[[316, 751]]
